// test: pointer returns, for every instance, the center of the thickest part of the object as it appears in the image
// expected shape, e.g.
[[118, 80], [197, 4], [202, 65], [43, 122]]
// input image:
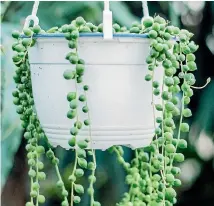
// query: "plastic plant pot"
[[119, 98]]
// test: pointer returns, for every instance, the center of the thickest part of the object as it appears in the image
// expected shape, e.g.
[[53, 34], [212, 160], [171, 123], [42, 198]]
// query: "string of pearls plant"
[[152, 173]]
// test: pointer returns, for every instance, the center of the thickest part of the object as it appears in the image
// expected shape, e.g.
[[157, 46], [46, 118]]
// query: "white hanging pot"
[[119, 99]]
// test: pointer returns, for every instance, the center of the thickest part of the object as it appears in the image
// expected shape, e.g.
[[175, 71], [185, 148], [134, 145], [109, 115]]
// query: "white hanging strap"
[[33, 16], [107, 22], [106, 5], [145, 9], [35, 8]]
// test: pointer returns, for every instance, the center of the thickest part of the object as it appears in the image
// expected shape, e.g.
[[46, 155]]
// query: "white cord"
[[35, 8], [145, 9], [33, 16], [106, 5], [107, 22]]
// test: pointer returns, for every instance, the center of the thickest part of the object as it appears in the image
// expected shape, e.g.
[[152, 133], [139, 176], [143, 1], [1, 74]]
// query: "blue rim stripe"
[[60, 35]]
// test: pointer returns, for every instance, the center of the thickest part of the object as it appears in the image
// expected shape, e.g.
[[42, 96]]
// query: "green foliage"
[[11, 131], [92, 11], [162, 152]]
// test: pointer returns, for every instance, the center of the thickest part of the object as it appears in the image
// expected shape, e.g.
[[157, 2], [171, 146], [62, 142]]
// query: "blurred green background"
[[198, 169]]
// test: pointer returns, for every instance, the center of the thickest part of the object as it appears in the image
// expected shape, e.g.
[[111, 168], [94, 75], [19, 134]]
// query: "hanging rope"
[[33, 16], [106, 5], [35, 8], [145, 9], [107, 21]]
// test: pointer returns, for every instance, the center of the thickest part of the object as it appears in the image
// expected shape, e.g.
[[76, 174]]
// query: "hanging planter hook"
[[107, 22], [145, 9], [33, 16], [30, 18]]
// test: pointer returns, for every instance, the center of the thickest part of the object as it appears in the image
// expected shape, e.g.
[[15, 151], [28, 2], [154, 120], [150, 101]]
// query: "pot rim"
[[123, 35], [61, 35]]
